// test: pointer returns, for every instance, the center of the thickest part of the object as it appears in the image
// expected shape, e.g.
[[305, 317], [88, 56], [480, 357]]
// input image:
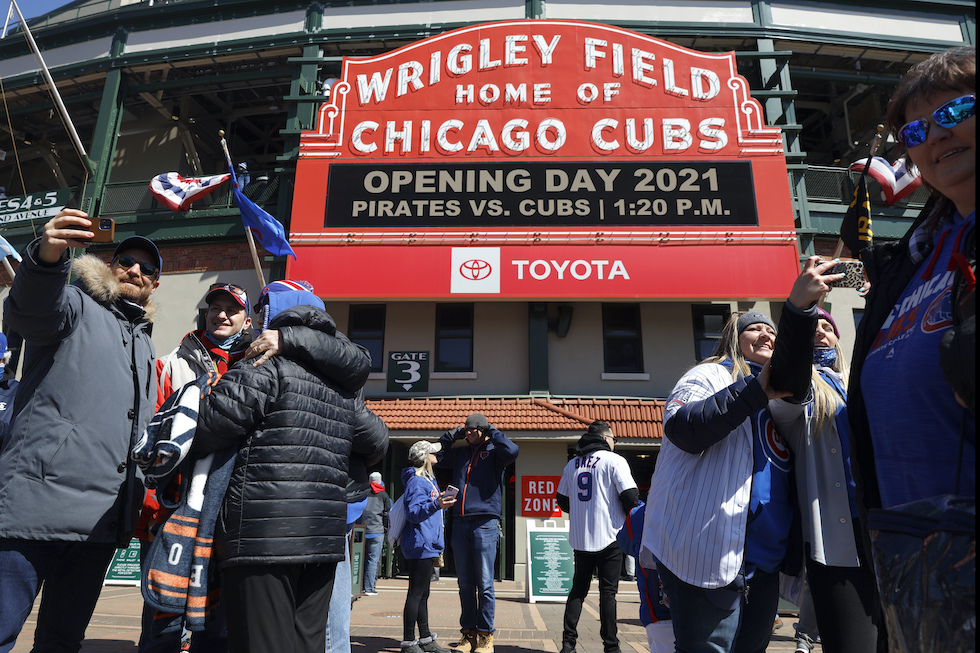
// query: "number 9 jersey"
[[593, 483]]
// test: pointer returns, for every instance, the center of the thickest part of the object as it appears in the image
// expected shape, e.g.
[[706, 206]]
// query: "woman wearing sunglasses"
[[910, 436]]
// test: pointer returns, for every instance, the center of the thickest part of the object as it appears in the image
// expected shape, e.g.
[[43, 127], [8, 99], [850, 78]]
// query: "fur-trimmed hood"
[[99, 283]]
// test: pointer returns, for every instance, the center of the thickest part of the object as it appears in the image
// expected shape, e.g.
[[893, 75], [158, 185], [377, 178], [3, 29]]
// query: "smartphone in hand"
[[103, 228], [853, 272], [451, 492]]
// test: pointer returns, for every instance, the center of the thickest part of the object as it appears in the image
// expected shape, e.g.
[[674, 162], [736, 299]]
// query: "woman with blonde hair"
[[721, 461], [422, 543], [813, 422], [720, 516]]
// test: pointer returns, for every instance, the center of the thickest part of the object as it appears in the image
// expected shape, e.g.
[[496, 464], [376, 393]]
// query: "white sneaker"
[[370, 593], [804, 644]]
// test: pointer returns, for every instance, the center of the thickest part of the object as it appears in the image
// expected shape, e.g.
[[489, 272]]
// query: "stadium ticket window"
[[709, 320], [454, 338], [622, 341], [366, 327]]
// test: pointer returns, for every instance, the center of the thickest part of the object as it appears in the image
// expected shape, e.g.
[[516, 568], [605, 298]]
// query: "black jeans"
[[417, 600], [606, 564], [273, 608]]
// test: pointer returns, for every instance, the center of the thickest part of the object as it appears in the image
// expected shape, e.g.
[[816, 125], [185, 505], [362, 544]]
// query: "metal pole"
[[10, 269], [875, 143], [54, 89], [248, 232]]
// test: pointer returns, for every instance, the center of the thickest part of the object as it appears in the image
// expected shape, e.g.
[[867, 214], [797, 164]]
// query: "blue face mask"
[[824, 356], [226, 343]]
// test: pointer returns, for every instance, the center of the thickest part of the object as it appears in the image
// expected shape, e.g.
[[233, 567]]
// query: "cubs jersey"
[[593, 484]]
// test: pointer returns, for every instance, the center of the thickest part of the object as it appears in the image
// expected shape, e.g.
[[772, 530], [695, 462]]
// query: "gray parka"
[[88, 390]]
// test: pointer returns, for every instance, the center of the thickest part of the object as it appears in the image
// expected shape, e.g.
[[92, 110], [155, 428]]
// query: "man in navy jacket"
[[478, 465]]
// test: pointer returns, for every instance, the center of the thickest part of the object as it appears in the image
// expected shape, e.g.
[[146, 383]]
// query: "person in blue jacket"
[[422, 542], [478, 466], [654, 613]]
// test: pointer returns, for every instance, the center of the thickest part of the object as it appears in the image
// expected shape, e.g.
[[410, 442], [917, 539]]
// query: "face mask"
[[824, 356], [225, 343]]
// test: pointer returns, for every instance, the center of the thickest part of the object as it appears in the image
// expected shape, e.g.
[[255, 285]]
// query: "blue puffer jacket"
[[423, 535]]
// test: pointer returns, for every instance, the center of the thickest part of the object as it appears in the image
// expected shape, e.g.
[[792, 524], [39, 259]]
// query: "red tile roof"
[[629, 418]]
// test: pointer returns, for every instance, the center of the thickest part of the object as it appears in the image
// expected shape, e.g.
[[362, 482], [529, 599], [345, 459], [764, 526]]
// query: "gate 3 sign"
[[543, 132], [408, 371]]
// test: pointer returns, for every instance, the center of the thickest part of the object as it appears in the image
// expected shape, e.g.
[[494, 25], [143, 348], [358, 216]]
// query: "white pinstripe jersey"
[[698, 503], [593, 484]]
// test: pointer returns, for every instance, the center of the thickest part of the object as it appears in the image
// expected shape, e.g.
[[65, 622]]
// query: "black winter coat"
[[295, 420]]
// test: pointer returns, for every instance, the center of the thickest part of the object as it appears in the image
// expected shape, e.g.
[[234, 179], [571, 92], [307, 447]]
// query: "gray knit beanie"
[[753, 317]]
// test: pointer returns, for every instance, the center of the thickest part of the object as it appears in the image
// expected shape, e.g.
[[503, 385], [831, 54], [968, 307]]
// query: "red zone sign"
[[543, 158], [538, 496]]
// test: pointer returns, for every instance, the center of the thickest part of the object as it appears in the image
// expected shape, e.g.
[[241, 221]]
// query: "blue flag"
[[6, 249], [267, 229]]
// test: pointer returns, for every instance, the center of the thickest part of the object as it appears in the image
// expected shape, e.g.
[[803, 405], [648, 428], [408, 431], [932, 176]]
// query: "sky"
[[32, 8]]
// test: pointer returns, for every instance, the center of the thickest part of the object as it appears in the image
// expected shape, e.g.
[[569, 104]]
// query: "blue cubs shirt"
[[915, 421], [770, 510]]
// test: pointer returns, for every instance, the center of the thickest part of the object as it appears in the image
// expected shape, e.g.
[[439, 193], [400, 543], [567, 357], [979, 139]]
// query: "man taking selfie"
[[68, 492]]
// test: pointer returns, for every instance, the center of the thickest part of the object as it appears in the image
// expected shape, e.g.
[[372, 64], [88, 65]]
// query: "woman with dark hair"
[[911, 436]]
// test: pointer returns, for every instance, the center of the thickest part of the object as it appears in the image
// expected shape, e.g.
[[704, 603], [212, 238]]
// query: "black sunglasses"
[[947, 116], [126, 261]]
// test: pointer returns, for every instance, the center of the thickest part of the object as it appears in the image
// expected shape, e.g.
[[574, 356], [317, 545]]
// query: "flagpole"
[[83, 154], [875, 143], [248, 232]]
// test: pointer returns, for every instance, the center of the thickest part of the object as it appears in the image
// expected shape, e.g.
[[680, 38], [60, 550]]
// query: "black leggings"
[[845, 601], [417, 600]]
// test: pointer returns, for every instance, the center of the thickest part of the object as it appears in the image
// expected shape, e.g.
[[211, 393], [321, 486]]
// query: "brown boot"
[[467, 643], [484, 643]]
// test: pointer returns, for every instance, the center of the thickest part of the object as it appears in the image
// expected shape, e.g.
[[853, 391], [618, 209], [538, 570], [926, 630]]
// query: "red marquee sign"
[[573, 159]]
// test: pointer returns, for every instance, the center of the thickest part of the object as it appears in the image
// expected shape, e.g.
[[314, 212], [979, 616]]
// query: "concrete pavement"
[[376, 621]]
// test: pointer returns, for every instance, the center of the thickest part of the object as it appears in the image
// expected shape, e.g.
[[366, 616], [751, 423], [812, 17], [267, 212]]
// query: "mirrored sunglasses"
[[947, 116], [148, 269]]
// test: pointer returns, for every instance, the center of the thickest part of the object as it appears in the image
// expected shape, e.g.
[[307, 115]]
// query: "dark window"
[[366, 327], [858, 314], [454, 338], [621, 338], [709, 320]]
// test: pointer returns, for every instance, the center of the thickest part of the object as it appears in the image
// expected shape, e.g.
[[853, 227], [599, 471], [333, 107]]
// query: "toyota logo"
[[475, 269]]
